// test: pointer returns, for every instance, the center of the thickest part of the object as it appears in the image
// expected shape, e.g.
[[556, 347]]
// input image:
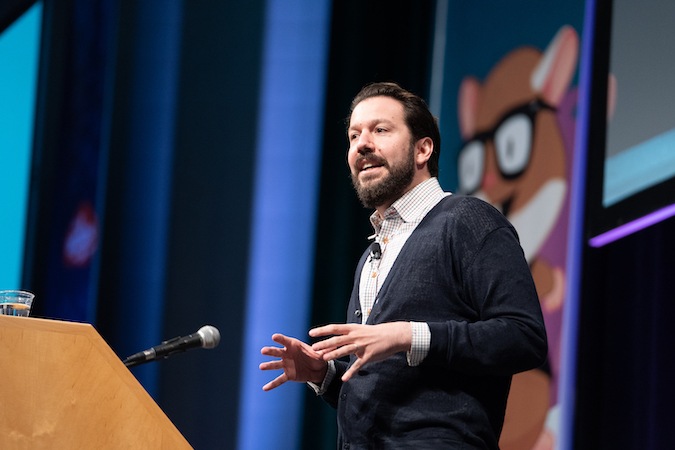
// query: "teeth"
[[367, 166]]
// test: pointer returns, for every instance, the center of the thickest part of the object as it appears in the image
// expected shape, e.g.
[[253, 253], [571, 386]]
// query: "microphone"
[[206, 337], [375, 251]]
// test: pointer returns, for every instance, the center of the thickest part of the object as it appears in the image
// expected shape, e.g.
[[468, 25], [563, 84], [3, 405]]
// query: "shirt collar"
[[413, 205]]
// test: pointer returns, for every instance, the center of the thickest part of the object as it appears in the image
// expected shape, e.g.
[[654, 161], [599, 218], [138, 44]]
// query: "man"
[[443, 310]]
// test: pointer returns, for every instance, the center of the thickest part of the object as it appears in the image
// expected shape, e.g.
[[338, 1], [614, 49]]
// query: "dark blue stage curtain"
[[133, 279], [70, 159]]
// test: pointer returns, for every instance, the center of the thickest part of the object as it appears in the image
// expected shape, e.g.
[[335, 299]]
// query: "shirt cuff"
[[330, 374], [421, 341]]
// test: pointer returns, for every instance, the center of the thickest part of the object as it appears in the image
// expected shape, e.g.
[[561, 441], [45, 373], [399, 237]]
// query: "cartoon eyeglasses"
[[512, 138]]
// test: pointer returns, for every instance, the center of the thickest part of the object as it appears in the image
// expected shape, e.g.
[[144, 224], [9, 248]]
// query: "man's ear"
[[423, 150]]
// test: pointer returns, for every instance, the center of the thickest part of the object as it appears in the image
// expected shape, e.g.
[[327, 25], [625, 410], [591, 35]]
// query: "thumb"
[[358, 362]]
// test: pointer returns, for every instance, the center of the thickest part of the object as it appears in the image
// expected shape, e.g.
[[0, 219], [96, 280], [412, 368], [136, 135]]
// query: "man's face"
[[381, 151]]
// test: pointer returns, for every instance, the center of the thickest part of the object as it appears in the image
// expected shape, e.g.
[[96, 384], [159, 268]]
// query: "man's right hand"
[[297, 359]]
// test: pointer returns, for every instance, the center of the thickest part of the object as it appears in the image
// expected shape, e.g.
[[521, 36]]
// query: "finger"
[[281, 339], [335, 354], [271, 365], [273, 351], [352, 370], [339, 352], [321, 331], [278, 381], [330, 344], [331, 329]]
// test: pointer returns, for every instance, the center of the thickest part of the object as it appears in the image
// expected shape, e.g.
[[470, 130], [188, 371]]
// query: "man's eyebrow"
[[372, 122]]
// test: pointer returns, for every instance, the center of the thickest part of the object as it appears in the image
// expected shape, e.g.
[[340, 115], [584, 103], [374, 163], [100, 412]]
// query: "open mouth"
[[367, 167], [369, 164]]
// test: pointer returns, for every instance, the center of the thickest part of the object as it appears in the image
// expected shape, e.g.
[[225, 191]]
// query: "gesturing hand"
[[369, 343], [298, 361]]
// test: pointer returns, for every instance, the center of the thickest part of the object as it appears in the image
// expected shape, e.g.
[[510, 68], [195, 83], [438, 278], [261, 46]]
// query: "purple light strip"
[[633, 226], [570, 324]]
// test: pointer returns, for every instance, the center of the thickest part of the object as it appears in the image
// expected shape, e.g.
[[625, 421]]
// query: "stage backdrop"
[[19, 49], [507, 114]]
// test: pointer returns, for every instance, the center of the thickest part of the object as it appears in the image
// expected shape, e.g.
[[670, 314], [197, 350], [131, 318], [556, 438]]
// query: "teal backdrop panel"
[[19, 50]]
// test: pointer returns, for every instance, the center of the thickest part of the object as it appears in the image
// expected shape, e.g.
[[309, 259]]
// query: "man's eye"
[[380, 130]]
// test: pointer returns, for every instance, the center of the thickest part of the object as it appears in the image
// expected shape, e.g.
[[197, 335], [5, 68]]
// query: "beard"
[[389, 188]]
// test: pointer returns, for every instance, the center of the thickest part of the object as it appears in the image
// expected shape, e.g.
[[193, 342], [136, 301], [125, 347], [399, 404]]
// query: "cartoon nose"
[[489, 180]]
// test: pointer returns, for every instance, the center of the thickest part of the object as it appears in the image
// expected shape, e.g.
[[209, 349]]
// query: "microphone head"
[[375, 251], [210, 336]]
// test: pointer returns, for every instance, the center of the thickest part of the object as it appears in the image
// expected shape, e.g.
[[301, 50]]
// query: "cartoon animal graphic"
[[517, 126]]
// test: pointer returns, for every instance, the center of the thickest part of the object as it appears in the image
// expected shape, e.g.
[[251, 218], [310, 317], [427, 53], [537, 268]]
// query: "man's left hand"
[[369, 343]]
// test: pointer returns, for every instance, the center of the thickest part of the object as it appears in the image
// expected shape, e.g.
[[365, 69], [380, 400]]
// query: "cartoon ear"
[[469, 93], [554, 72]]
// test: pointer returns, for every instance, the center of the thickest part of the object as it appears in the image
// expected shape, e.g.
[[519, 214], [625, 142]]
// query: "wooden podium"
[[62, 386]]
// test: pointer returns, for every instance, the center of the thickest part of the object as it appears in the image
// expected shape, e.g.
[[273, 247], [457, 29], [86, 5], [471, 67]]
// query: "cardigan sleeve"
[[507, 334], [332, 392]]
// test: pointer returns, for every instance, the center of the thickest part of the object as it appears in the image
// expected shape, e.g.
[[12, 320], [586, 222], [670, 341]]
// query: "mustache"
[[372, 159]]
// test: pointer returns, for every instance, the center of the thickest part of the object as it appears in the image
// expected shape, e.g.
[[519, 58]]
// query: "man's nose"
[[365, 143]]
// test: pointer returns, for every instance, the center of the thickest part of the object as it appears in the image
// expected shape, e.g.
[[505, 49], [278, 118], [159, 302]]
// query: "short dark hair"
[[417, 115]]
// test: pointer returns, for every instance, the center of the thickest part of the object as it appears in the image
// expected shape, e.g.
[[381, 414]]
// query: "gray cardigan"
[[463, 272]]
